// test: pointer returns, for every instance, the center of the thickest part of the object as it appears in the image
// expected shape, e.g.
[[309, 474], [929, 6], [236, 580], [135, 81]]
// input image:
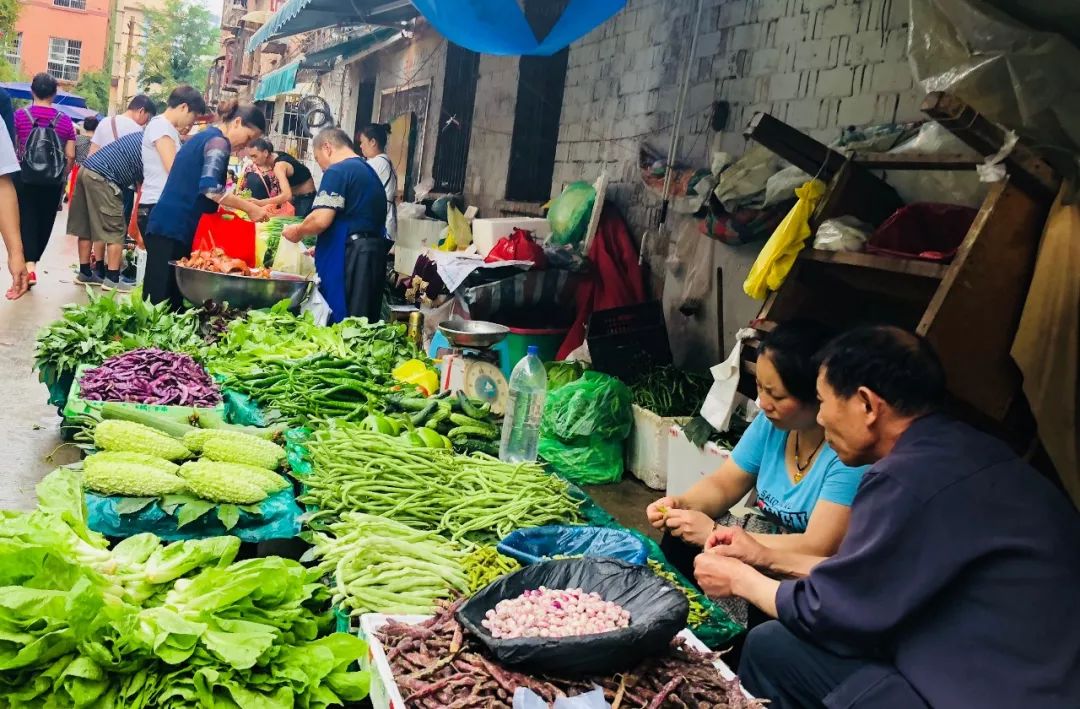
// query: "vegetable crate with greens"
[[144, 626], [105, 327]]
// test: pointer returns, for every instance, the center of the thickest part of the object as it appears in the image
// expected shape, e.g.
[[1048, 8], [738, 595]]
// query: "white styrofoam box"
[[384, 693], [687, 464], [413, 238], [487, 232], [647, 452]]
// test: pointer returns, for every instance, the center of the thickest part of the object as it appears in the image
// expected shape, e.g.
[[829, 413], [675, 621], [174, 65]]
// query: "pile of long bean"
[[318, 385], [669, 391], [476, 499], [381, 566]]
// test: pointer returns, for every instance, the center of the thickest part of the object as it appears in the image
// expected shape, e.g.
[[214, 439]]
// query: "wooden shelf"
[[910, 266], [914, 161]]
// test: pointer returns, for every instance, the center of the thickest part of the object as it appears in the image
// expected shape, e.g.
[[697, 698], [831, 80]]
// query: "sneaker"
[[118, 286], [130, 282], [92, 280]]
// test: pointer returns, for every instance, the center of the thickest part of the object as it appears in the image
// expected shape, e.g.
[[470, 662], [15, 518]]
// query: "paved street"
[[29, 425]]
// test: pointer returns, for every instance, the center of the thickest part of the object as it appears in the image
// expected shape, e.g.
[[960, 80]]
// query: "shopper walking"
[[46, 143], [82, 151], [373, 139], [196, 186], [9, 218], [133, 120], [97, 210], [160, 143]]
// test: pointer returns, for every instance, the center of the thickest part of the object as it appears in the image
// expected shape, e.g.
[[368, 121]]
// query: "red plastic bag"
[[519, 246], [229, 232], [924, 230]]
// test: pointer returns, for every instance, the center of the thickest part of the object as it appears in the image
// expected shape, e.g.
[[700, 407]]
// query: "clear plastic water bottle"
[[524, 409]]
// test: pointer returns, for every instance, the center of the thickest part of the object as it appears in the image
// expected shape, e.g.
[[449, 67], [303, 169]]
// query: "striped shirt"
[[119, 162]]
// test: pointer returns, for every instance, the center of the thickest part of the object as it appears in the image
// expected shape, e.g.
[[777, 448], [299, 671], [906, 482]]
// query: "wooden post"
[[124, 98]]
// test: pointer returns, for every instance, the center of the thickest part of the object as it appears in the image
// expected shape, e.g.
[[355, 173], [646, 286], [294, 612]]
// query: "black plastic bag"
[[658, 611]]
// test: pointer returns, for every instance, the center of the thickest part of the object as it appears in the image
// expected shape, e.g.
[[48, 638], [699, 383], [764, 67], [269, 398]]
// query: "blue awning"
[[278, 81], [297, 16], [324, 58], [21, 89], [500, 26]]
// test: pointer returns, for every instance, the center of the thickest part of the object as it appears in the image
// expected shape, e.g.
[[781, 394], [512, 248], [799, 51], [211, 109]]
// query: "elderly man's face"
[[848, 423]]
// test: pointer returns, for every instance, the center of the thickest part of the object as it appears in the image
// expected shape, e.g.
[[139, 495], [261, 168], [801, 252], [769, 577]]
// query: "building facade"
[[129, 33], [62, 37]]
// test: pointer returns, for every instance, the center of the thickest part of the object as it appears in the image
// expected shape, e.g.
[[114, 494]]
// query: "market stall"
[[212, 427]]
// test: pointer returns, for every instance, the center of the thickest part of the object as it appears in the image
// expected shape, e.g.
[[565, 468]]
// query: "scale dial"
[[486, 382]]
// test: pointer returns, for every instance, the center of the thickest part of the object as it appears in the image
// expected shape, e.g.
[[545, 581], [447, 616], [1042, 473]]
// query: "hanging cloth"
[[500, 27]]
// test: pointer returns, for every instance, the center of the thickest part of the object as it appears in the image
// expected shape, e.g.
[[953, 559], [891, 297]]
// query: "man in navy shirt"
[[348, 216], [956, 584]]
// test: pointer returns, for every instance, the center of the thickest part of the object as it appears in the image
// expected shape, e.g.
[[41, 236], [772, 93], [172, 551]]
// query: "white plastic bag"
[[724, 396], [527, 699], [316, 305], [842, 234]]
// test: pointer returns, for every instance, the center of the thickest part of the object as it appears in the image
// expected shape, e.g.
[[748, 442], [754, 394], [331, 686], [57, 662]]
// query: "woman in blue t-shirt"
[[804, 492]]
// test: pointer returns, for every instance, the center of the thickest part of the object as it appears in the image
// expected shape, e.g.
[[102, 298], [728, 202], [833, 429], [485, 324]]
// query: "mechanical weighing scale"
[[472, 362]]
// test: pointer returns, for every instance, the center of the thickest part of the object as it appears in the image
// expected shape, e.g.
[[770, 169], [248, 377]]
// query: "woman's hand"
[[258, 214], [20, 279], [735, 543], [657, 512], [691, 526]]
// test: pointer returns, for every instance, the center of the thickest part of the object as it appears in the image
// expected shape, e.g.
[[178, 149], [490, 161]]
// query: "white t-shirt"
[[9, 163], [385, 170], [154, 174], [103, 134]]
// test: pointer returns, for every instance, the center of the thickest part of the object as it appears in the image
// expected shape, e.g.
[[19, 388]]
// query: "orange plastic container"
[[228, 232]]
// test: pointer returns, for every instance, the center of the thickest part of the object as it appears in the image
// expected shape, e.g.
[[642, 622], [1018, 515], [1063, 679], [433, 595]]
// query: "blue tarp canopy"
[[21, 89], [500, 26], [324, 58], [297, 16], [278, 81]]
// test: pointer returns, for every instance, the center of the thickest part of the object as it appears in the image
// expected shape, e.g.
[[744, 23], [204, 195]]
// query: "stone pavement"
[[30, 426]]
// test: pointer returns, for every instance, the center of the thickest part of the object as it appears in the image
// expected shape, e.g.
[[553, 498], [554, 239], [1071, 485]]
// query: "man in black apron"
[[348, 216]]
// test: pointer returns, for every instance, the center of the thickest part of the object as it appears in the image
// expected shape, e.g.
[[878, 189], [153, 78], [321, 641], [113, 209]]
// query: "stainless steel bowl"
[[241, 291], [473, 333]]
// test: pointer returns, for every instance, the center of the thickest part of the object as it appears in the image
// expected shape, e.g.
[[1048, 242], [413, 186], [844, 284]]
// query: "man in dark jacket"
[[956, 584], [8, 114]]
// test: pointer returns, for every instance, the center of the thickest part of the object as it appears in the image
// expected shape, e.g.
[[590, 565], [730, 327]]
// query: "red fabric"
[[615, 280]]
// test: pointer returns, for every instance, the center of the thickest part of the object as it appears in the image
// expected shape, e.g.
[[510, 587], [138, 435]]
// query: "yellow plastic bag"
[[415, 372], [777, 257], [459, 227]]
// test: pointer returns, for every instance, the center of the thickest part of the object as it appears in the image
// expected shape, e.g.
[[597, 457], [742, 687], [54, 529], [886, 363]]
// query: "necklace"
[[801, 467]]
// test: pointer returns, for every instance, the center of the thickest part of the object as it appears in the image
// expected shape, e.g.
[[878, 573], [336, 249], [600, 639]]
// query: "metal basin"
[[241, 291], [473, 333]]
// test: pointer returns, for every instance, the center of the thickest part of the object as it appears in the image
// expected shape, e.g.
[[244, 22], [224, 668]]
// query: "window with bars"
[[13, 50], [541, 81], [456, 117], [64, 58], [72, 4]]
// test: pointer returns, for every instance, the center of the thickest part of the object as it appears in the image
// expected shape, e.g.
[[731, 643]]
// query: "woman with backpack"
[[373, 139], [46, 146]]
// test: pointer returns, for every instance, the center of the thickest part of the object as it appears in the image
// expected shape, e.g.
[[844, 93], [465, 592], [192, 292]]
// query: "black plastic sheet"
[[657, 610]]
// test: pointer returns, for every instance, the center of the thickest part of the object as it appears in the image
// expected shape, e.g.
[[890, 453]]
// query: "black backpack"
[[42, 161]]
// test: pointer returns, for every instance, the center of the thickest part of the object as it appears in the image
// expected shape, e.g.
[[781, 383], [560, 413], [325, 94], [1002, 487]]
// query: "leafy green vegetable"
[[109, 325], [149, 625], [560, 374]]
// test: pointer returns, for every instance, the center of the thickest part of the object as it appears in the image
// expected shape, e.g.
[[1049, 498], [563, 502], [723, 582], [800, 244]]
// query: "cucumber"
[[170, 424]]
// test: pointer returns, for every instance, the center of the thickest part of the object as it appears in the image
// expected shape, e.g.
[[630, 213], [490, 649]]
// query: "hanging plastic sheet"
[[500, 27], [1008, 72]]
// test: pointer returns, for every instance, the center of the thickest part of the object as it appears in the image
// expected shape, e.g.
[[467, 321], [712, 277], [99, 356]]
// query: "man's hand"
[[20, 279], [658, 511], [292, 233], [717, 575], [691, 526], [734, 542]]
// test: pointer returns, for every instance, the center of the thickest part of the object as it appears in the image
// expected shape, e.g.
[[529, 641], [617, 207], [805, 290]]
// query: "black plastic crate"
[[626, 341]]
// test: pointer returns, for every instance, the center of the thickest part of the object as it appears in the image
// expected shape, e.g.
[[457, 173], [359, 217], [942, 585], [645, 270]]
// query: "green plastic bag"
[[583, 429], [569, 213]]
